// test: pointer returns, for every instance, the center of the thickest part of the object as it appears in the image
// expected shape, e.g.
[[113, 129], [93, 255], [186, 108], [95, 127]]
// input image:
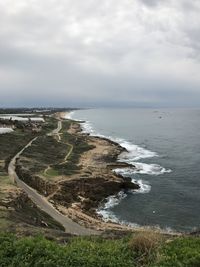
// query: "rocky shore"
[[80, 194]]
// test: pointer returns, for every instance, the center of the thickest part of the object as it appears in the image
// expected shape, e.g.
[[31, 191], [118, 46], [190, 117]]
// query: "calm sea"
[[164, 145]]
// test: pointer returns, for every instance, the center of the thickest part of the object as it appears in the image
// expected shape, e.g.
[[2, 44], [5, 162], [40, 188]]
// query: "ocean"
[[164, 146]]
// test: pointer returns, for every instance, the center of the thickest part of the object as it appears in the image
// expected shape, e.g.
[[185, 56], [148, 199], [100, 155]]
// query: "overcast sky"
[[100, 53]]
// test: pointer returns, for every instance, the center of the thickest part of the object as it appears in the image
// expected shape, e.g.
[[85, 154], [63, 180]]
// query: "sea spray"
[[132, 155]]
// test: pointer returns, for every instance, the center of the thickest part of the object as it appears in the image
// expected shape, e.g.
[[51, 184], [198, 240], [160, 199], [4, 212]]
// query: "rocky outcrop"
[[89, 192], [26, 212], [42, 186]]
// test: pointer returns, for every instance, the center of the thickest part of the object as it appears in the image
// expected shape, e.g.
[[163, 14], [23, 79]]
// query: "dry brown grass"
[[145, 244]]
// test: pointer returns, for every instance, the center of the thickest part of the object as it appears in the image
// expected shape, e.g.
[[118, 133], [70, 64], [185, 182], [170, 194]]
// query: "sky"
[[135, 53]]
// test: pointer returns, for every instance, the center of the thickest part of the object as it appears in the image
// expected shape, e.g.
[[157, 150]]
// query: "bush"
[[181, 252], [145, 245], [99, 252], [80, 252]]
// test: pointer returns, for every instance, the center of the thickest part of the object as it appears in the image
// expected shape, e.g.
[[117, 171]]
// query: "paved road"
[[69, 225]]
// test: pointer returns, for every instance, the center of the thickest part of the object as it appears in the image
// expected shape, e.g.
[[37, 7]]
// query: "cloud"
[[91, 53], [151, 3]]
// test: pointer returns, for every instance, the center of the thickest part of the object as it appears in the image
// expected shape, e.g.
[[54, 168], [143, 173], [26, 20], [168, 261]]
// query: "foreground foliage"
[[98, 252], [181, 252]]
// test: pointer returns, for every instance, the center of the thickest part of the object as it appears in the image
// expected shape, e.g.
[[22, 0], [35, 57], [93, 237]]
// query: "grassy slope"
[[25, 212], [47, 152], [98, 252], [130, 251], [10, 144]]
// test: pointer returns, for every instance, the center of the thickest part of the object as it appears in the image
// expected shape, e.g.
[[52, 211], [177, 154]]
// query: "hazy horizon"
[[131, 53]]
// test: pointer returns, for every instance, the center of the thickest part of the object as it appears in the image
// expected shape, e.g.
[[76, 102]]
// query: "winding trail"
[[56, 132], [41, 202]]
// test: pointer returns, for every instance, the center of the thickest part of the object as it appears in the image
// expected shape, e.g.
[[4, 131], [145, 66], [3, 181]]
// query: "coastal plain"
[[53, 178], [71, 170]]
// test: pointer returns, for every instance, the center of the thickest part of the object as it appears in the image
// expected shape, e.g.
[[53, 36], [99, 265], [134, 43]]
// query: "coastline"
[[95, 181], [100, 162]]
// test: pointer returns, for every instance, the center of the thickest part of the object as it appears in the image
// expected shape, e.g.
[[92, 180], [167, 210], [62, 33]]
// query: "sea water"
[[163, 146]]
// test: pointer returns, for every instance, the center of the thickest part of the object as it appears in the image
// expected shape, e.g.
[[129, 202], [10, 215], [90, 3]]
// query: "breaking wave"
[[132, 155]]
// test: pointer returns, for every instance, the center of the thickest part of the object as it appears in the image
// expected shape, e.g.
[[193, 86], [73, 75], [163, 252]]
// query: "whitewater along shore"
[[80, 194], [72, 173], [83, 193], [40, 201], [67, 175]]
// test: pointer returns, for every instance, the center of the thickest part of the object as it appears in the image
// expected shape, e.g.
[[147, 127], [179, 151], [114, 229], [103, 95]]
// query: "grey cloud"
[[82, 53], [150, 3]]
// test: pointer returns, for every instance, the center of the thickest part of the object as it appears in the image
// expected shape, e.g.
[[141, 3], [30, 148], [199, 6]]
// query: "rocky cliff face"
[[42, 186], [93, 182], [89, 192]]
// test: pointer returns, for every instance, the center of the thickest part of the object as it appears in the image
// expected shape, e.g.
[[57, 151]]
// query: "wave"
[[132, 154], [145, 187], [111, 202], [109, 216], [143, 168], [88, 128], [69, 115]]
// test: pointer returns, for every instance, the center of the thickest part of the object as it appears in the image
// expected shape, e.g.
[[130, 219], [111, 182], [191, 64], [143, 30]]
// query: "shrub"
[[99, 252], [80, 252], [145, 245], [181, 252]]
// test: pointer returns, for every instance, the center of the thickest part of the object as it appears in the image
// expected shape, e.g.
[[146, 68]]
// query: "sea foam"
[[110, 202], [132, 155]]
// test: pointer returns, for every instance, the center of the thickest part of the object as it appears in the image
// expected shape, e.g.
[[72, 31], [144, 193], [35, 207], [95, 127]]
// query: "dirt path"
[[69, 225], [55, 132]]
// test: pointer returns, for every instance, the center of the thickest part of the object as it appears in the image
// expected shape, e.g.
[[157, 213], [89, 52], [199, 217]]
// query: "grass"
[[94, 251], [65, 125], [80, 146], [6, 186], [145, 244], [49, 125], [11, 143], [47, 151], [51, 172], [43, 152], [78, 252], [181, 252], [14, 210]]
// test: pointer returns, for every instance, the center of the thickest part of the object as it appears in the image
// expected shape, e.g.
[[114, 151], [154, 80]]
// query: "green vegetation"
[[79, 145], [16, 210], [30, 215], [44, 151], [47, 156], [10, 144], [94, 251], [49, 173], [13, 142], [49, 125], [181, 252]]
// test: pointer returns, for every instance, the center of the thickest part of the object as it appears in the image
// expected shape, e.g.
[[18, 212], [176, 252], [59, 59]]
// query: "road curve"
[[41, 202]]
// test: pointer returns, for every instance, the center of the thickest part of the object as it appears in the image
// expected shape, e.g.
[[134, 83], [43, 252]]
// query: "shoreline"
[[95, 160]]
